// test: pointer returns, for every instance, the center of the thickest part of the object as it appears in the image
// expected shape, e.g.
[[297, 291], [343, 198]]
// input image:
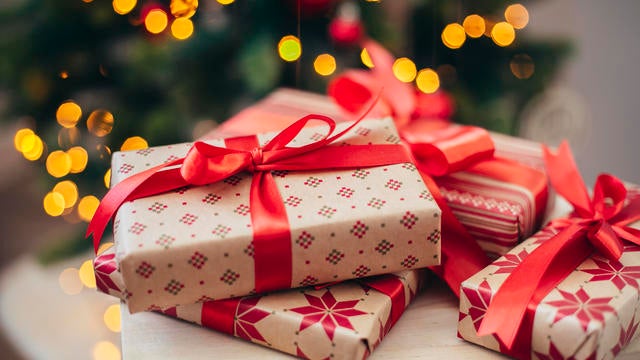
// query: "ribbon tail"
[[462, 257], [566, 179], [529, 283]]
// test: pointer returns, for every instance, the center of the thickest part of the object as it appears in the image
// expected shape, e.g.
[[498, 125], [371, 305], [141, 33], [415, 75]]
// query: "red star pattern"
[[626, 335], [545, 234], [247, 316], [104, 266], [510, 262], [555, 354], [582, 307], [479, 300], [328, 312], [614, 272]]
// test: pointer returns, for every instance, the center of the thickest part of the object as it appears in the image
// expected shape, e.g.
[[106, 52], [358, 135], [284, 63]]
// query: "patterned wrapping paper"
[[298, 321], [195, 244], [592, 314], [499, 214]]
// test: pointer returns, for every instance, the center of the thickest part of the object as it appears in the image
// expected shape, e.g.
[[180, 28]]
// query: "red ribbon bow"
[[599, 224], [207, 164]]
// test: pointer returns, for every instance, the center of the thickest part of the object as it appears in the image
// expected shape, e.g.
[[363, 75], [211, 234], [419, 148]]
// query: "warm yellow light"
[[69, 191], [112, 317], [24, 139], [522, 66], [68, 136], [289, 48], [134, 143], [366, 59], [182, 28], [53, 203], [156, 21], [428, 81], [35, 149], [70, 281], [104, 247], [503, 34], [86, 274], [64, 75], [107, 179], [517, 15], [325, 64], [474, 25], [453, 36], [58, 164], [100, 122], [183, 8], [404, 69], [225, 2], [68, 114], [79, 159], [123, 7], [105, 350], [87, 207]]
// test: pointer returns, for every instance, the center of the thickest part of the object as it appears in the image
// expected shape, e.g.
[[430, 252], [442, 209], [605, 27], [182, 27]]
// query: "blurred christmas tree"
[[157, 72]]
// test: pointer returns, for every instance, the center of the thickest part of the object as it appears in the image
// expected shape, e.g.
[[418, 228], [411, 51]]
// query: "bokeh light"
[[24, 140], [68, 114], [225, 2], [324, 64], [183, 8], [522, 66], [474, 25], [104, 152], [100, 122], [453, 36], [79, 159], [366, 59], [69, 191], [53, 204], [428, 81], [123, 7], [112, 318], [58, 164], [106, 350], [182, 28], [134, 143], [503, 34], [67, 137], [156, 21], [104, 247], [35, 149], [289, 48], [404, 69], [64, 75], [86, 274], [70, 281], [517, 15], [87, 207], [107, 179]]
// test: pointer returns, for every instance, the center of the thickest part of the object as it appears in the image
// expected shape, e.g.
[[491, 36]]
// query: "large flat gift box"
[[497, 211], [196, 243]]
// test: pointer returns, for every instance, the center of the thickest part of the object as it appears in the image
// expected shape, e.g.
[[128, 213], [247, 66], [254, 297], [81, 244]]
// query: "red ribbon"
[[598, 224], [205, 164], [393, 287]]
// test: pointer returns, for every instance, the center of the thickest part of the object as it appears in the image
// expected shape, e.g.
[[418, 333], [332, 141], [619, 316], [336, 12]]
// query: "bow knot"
[[256, 158]]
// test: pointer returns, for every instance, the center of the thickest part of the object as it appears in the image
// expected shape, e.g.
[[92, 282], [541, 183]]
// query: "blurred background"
[[80, 79]]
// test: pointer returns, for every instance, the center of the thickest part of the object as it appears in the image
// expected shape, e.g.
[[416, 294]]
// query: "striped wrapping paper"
[[498, 214]]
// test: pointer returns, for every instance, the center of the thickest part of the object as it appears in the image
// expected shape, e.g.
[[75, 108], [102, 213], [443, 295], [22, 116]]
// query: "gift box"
[[588, 311], [342, 321], [202, 242], [500, 202]]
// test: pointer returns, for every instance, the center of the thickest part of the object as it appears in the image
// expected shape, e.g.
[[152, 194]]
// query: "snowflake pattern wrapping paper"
[[343, 321], [196, 243], [592, 314]]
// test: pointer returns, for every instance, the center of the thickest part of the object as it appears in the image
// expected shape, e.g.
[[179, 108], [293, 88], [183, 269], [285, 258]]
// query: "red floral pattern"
[[104, 266], [555, 354], [510, 262], [626, 335], [580, 305], [330, 313], [614, 272], [247, 316], [479, 300]]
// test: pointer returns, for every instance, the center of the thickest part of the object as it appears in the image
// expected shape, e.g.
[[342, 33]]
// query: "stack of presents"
[[308, 223]]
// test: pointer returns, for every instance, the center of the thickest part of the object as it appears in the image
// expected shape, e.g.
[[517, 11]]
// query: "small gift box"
[[353, 205], [571, 291], [343, 321]]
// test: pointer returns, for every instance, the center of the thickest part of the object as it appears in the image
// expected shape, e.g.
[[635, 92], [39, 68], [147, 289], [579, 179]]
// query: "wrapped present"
[[353, 205], [572, 291], [342, 321]]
